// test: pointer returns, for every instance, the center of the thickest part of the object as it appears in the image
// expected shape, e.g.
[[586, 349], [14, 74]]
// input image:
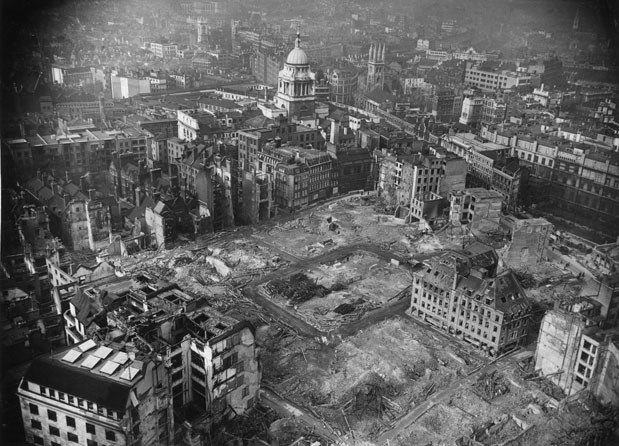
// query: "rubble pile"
[[491, 385], [297, 288]]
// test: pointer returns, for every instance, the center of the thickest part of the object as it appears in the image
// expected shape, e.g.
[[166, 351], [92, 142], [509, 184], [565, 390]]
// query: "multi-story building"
[[343, 85], [476, 207], [529, 239], [84, 151], [354, 166], [461, 293], [163, 49], [301, 176], [158, 81], [97, 393], [194, 123], [472, 109], [575, 353], [266, 66], [124, 87], [252, 141], [73, 76], [375, 77], [446, 107], [493, 111], [210, 363], [495, 80], [87, 225], [295, 88], [489, 165]]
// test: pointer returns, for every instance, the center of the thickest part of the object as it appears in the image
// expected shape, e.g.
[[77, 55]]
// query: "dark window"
[[70, 421], [72, 437], [53, 443], [110, 435], [52, 393], [36, 424], [90, 428], [71, 399], [34, 409], [53, 430], [43, 390], [90, 442], [51, 415], [37, 440]]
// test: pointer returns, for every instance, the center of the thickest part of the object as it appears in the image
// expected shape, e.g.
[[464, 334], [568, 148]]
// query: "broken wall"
[[557, 347], [606, 386], [529, 243]]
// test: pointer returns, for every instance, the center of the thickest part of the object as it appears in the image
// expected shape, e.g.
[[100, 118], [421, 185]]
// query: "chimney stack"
[[92, 194], [137, 196]]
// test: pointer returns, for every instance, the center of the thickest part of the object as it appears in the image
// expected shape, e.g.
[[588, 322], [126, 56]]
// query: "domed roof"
[[297, 56]]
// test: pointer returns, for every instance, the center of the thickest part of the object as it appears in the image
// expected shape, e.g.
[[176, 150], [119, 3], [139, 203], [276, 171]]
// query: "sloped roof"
[[86, 308], [78, 382], [34, 185], [45, 194], [138, 211], [71, 189]]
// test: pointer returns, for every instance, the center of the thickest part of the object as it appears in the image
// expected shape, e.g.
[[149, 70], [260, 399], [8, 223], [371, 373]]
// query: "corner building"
[[93, 394], [461, 293]]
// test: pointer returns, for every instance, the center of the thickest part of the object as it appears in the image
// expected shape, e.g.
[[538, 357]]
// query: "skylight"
[[103, 352], [90, 361], [109, 367], [85, 346], [72, 356]]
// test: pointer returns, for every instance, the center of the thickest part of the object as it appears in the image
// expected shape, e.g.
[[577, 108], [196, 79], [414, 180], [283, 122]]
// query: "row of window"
[[70, 421], [80, 402]]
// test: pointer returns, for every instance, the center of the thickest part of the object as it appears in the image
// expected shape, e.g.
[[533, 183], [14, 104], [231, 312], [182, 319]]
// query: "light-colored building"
[[295, 88], [93, 394], [529, 240], [461, 293], [487, 80], [576, 354], [126, 87], [478, 208], [192, 122]]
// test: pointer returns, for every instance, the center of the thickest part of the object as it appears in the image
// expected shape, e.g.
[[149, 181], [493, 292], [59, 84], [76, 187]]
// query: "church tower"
[[376, 67], [295, 87]]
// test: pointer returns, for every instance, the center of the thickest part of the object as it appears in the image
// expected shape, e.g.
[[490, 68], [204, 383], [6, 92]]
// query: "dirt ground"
[[396, 355], [368, 282], [343, 223]]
